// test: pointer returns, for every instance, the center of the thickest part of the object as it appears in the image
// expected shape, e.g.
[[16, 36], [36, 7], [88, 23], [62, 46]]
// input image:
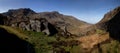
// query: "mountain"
[[47, 22]]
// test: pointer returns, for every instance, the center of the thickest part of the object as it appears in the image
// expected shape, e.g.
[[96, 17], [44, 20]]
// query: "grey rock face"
[[38, 25], [35, 25]]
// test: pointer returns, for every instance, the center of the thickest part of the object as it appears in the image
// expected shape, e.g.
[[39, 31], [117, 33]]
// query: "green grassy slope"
[[38, 39], [43, 43]]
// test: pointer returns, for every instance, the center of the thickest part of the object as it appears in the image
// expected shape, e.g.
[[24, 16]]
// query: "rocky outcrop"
[[38, 25]]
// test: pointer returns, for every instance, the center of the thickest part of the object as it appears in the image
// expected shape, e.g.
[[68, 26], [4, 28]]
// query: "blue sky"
[[90, 11]]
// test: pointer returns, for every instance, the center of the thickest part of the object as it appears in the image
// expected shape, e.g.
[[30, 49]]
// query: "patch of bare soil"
[[89, 42]]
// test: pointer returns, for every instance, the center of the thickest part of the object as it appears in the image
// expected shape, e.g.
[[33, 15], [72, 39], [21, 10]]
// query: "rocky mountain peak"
[[21, 11]]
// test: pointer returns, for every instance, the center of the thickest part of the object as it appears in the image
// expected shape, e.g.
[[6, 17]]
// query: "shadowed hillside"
[[10, 43], [2, 19], [111, 23], [113, 26]]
